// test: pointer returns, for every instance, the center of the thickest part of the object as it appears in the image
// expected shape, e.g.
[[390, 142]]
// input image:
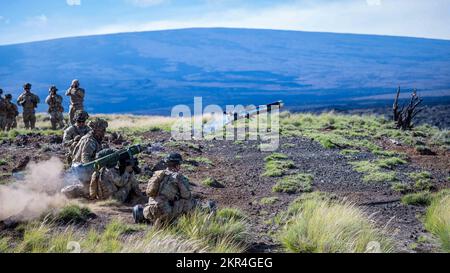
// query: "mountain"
[[150, 72]]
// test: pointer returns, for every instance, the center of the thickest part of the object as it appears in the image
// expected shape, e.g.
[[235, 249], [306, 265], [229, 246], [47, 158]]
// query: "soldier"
[[74, 133], [76, 95], [169, 195], [117, 183], [85, 152], [2, 111], [55, 108], [29, 102], [11, 112]]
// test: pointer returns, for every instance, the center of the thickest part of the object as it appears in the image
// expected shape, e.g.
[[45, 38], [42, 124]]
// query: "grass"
[[73, 214], [269, 200], [373, 171], [349, 152], [389, 163], [319, 225], [224, 231], [277, 165], [213, 183], [201, 159], [417, 199], [3, 162], [437, 218], [422, 181], [294, 183], [358, 132]]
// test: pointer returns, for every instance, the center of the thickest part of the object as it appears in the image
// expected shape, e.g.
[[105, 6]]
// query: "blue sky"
[[30, 20]]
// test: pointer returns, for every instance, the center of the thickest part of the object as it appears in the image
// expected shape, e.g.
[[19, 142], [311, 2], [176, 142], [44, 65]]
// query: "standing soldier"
[[29, 102], [11, 113], [2, 111], [55, 108], [76, 95]]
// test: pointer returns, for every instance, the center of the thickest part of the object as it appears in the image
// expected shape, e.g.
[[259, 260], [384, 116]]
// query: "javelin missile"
[[257, 110], [228, 118]]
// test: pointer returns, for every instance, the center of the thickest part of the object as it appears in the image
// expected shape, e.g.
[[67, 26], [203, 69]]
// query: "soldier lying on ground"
[[169, 195], [116, 183]]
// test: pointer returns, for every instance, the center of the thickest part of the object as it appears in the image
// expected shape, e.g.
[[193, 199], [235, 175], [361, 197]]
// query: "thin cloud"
[[397, 17], [73, 2], [146, 3], [37, 21]]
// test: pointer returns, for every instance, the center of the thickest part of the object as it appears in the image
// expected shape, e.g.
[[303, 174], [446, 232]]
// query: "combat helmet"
[[52, 88], [8, 96], [81, 116], [106, 152], [27, 86], [98, 124], [174, 158]]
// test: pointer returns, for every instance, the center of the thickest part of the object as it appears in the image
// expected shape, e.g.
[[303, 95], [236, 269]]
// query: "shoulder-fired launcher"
[[84, 170]]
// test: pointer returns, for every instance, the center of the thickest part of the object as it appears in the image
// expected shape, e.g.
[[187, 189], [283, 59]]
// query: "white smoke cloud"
[[37, 193]]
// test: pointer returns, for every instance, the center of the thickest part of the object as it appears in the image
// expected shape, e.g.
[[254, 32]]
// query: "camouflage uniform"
[[11, 113], [108, 183], [169, 196], [72, 132], [85, 152], [55, 109], [29, 102], [76, 95]]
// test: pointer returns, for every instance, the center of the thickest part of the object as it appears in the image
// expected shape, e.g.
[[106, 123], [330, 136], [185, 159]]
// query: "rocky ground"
[[238, 166]]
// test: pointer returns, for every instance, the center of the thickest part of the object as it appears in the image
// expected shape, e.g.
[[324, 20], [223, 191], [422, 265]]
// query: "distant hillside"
[[149, 72]]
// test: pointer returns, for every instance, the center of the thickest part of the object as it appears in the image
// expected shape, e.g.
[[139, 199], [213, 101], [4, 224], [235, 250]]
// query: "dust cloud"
[[38, 192]]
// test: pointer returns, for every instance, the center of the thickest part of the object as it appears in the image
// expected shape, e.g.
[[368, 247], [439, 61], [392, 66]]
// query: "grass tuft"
[[294, 183], [322, 226]]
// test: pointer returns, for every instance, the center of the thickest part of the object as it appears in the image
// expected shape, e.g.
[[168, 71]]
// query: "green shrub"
[[380, 177], [294, 183]]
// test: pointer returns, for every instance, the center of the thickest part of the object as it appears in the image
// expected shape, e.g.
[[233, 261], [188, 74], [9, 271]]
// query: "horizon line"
[[231, 28]]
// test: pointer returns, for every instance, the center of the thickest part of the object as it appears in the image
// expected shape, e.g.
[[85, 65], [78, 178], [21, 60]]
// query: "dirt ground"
[[238, 166]]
